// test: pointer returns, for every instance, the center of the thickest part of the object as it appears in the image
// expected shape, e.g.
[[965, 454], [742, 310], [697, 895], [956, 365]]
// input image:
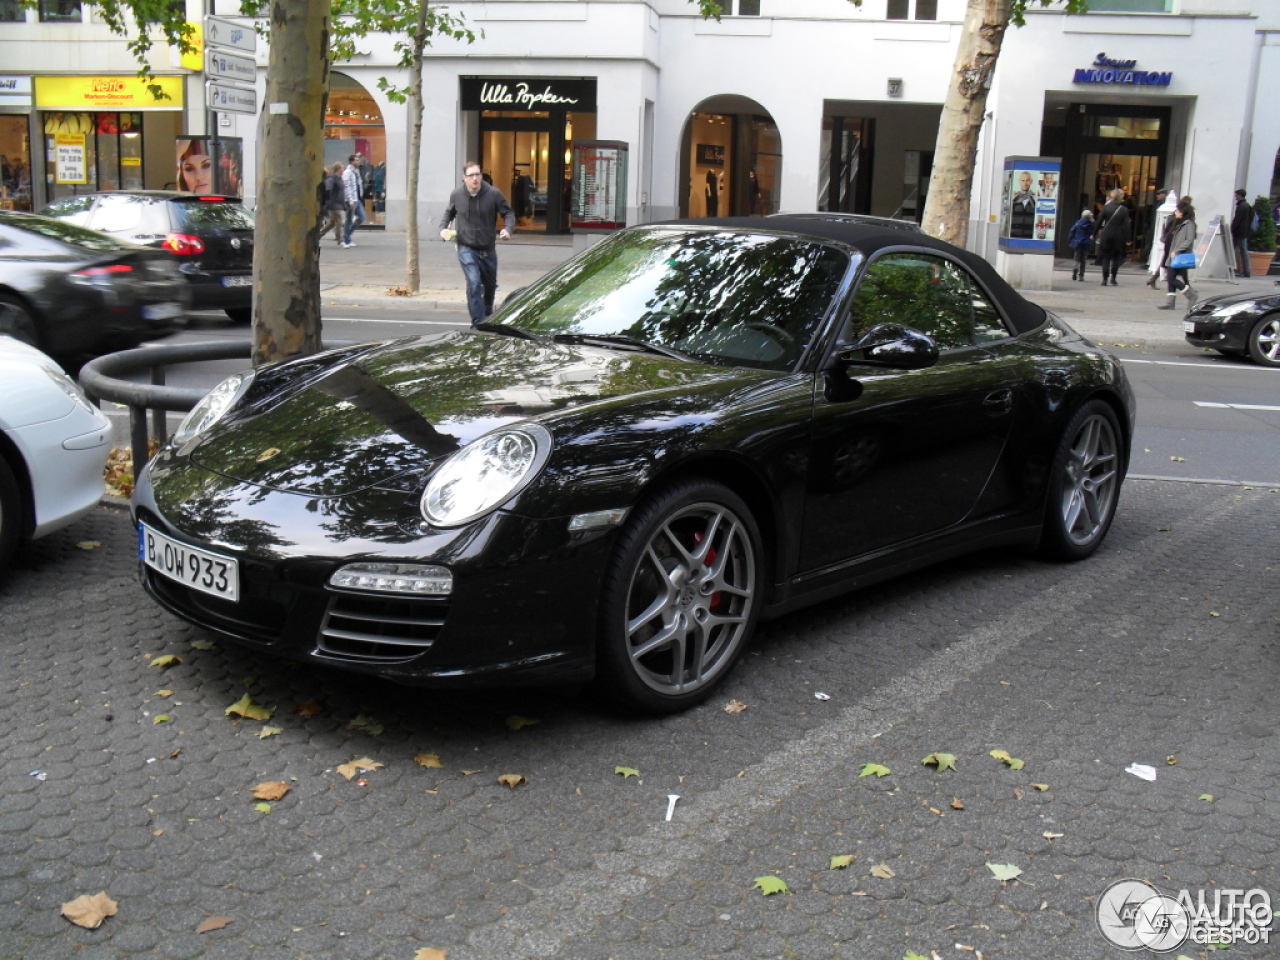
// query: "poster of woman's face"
[[195, 167]]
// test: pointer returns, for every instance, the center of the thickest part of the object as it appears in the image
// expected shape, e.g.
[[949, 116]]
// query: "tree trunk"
[[286, 261], [412, 276], [946, 211]]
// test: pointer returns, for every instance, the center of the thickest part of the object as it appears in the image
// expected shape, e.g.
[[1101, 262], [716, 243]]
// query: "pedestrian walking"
[[1182, 241], [1113, 234], [335, 204], [1159, 230], [353, 195], [1080, 241], [473, 209], [1241, 227]]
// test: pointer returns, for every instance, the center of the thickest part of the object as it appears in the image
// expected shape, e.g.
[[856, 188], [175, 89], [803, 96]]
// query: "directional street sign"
[[227, 34], [229, 98], [226, 66]]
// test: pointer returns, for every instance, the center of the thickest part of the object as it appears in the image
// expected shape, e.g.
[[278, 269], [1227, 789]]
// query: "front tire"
[[681, 598], [242, 315], [1264, 341], [10, 513], [1084, 484]]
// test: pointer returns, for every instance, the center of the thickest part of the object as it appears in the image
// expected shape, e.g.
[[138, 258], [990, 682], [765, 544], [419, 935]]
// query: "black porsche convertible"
[[686, 428]]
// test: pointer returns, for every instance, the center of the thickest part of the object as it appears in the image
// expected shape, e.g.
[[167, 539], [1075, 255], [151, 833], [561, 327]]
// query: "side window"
[[116, 214], [987, 323], [72, 209], [917, 290]]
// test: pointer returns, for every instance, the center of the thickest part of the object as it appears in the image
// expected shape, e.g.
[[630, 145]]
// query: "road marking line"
[[1186, 363], [1236, 406]]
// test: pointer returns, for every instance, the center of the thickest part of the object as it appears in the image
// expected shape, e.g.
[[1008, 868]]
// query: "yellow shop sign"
[[106, 93]]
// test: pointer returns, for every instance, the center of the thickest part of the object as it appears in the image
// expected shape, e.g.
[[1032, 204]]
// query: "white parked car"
[[53, 447]]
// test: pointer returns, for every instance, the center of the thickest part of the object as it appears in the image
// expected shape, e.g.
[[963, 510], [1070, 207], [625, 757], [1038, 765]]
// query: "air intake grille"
[[380, 629]]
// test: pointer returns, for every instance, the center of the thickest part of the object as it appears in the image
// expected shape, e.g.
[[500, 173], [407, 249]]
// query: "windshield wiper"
[[505, 330], [622, 340]]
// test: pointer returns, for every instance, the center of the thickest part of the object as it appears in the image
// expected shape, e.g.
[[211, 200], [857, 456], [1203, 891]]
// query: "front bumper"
[[1228, 335]]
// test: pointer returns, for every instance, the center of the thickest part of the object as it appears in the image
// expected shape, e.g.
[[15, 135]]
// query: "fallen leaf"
[[1005, 871], [163, 693], [467, 773], [430, 953], [735, 706], [174, 754], [935, 810], [517, 722], [1017, 793], [1207, 797], [840, 862], [214, 923], [245, 707], [511, 780], [166, 661], [625, 772], [1178, 459], [271, 790], [368, 724], [1042, 787], [89, 911], [912, 955], [956, 804], [770, 884], [1012, 762], [943, 761], [1214, 613], [349, 770], [268, 454], [160, 718], [870, 769], [203, 644], [89, 544], [1171, 760], [263, 807], [308, 709], [428, 760], [1052, 836], [882, 871], [269, 732]]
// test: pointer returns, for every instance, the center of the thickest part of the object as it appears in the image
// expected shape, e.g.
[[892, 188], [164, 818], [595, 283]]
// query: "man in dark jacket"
[[335, 204], [1241, 227], [473, 208]]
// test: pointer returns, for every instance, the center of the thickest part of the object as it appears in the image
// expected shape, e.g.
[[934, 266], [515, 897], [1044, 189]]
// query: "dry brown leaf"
[[268, 454], [214, 923], [511, 780], [467, 773], [735, 706], [882, 871], [956, 804], [429, 760], [272, 790], [89, 911], [430, 953], [308, 709], [349, 770]]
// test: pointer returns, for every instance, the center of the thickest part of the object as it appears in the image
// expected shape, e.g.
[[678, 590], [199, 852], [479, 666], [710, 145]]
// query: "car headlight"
[[71, 389], [1222, 313], [487, 472], [215, 403]]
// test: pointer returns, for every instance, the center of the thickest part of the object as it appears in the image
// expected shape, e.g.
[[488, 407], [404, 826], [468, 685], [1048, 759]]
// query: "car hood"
[[1263, 298], [370, 418]]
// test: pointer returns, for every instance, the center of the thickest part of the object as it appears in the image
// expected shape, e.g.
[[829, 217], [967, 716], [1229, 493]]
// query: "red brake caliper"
[[714, 605]]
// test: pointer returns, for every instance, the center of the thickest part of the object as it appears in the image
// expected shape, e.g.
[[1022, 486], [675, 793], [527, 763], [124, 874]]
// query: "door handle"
[[998, 403]]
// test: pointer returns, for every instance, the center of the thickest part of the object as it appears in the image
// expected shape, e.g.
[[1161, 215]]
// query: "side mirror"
[[891, 345]]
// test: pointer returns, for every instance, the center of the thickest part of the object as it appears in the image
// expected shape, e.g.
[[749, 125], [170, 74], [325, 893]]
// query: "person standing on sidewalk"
[[1113, 234], [335, 204], [353, 190], [1182, 239], [1080, 241], [1241, 227], [473, 208]]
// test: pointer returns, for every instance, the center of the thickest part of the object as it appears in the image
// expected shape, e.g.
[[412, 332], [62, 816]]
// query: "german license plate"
[[161, 311], [237, 281], [192, 567], [1188, 326]]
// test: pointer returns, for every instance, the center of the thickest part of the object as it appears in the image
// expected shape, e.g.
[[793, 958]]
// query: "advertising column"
[[1029, 221]]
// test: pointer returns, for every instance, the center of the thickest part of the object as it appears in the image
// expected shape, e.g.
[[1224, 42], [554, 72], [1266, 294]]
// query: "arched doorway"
[[730, 160], [353, 124]]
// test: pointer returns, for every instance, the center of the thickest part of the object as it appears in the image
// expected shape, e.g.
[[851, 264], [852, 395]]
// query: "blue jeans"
[[355, 217], [480, 267]]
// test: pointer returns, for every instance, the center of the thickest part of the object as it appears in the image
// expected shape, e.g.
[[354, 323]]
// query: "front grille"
[[260, 618], [380, 629]]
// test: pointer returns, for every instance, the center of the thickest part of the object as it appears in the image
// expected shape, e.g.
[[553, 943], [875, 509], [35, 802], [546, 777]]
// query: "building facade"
[[811, 104]]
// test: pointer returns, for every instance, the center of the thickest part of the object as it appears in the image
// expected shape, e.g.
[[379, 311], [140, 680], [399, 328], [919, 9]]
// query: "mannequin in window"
[[713, 194]]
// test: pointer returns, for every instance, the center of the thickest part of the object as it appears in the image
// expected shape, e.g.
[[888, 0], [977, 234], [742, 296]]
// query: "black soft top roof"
[[870, 238]]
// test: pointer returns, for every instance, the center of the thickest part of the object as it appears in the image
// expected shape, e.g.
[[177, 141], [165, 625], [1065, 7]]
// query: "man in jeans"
[[473, 208], [353, 188]]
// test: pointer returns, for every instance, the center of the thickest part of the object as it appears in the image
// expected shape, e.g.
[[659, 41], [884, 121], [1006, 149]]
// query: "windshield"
[[748, 299]]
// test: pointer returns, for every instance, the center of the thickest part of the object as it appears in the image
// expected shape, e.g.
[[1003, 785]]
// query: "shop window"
[[923, 10], [60, 11], [354, 125], [15, 164], [1130, 6], [12, 12], [739, 8], [1122, 128]]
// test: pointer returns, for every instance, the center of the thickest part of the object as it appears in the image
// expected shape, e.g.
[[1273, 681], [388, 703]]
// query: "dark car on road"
[[210, 238], [1237, 324], [71, 291], [684, 429]]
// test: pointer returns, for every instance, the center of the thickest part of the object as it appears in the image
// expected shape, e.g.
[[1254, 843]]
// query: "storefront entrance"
[[354, 124], [1107, 146], [731, 160]]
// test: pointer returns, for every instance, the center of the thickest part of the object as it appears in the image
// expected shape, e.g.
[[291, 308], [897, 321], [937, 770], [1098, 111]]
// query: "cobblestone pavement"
[[1161, 646]]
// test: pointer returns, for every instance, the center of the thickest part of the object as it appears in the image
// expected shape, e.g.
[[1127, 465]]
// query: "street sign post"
[[229, 98], [228, 34], [226, 66]]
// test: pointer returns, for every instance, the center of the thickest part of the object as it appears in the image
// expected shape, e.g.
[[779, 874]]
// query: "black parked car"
[[72, 291], [1238, 324], [684, 429], [211, 237]]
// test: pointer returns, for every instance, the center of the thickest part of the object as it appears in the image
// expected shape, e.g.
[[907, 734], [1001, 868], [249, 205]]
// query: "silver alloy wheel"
[[1090, 481], [1267, 341], [690, 599]]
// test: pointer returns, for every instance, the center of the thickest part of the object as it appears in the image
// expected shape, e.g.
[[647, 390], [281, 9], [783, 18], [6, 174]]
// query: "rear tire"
[[1084, 484], [681, 598], [11, 514], [16, 321], [240, 314], [1264, 341]]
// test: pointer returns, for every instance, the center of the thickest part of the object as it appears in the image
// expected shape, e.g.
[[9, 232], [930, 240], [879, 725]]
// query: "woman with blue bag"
[[1180, 256], [1080, 242]]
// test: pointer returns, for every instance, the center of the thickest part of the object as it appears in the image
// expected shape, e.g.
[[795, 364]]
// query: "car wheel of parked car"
[[1084, 483], [681, 597], [16, 321], [240, 314], [10, 513], [1264, 341]]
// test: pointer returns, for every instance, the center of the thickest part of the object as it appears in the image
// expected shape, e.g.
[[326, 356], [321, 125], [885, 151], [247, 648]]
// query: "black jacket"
[[473, 217]]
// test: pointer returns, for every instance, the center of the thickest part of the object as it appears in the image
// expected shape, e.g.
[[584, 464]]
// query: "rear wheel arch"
[[13, 461]]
